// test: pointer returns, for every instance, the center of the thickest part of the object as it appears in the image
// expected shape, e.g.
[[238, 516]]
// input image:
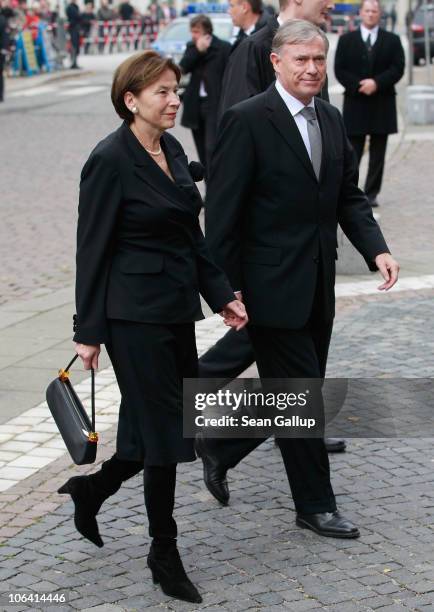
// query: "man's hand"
[[89, 355], [389, 269], [368, 87], [235, 315], [203, 42]]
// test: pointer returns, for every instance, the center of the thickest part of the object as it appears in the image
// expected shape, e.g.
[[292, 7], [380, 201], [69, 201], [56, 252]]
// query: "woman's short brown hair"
[[136, 73]]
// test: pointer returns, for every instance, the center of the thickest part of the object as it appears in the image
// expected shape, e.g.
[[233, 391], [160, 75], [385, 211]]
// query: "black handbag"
[[77, 431]]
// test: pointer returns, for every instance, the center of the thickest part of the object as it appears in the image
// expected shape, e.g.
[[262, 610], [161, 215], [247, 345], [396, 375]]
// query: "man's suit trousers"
[[280, 353], [377, 155], [204, 135]]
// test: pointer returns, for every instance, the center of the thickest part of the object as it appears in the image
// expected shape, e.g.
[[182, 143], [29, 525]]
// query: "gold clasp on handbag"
[[93, 436], [63, 375]]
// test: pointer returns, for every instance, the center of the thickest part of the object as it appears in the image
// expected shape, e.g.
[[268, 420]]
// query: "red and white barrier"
[[119, 36]]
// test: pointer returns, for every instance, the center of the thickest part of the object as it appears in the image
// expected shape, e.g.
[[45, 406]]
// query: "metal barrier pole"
[[410, 43], [427, 39]]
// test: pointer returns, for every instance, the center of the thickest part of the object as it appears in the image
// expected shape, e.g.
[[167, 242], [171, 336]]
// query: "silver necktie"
[[314, 133]]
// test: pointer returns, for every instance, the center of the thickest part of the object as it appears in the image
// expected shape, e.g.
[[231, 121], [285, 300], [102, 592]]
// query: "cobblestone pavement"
[[251, 556]]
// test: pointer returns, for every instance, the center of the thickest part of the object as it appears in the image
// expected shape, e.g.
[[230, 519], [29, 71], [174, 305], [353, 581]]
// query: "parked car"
[[417, 25], [339, 23], [173, 39]]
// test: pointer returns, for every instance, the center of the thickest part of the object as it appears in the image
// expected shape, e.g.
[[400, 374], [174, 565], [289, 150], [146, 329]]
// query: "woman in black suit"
[[141, 263]]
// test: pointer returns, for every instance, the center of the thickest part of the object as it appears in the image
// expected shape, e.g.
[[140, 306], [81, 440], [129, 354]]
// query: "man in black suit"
[[272, 228], [249, 72], [205, 59], [368, 63], [248, 16]]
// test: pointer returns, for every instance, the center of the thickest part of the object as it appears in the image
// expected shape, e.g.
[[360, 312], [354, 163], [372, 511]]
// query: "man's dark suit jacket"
[[141, 255], [268, 218], [208, 67], [375, 114], [249, 70]]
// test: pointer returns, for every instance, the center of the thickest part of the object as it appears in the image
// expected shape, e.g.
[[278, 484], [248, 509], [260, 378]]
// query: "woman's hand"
[[235, 315], [89, 354]]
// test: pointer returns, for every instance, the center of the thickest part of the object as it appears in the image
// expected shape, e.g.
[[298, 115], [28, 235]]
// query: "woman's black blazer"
[[141, 254]]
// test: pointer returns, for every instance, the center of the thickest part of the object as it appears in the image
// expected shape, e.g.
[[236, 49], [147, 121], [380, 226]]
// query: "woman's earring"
[[134, 110]]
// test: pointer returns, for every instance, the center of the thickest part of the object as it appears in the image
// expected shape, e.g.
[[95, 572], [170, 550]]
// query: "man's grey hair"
[[296, 32]]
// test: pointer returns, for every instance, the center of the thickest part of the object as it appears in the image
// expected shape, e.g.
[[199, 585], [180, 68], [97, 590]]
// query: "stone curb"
[[24, 83]]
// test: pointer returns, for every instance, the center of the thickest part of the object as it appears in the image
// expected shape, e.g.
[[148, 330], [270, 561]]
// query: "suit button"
[[316, 260]]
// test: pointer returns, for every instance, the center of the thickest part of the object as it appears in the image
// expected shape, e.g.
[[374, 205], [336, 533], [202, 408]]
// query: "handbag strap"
[[71, 362], [64, 374]]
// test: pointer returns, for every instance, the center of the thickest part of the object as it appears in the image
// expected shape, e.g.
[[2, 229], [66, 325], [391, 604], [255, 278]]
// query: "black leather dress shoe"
[[329, 524], [214, 475], [335, 445]]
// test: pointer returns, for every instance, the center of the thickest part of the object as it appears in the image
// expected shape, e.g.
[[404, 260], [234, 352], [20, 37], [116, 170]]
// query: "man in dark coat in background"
[[249, 70], [248, 16], [74, 28], [205, 58], [368, 63]]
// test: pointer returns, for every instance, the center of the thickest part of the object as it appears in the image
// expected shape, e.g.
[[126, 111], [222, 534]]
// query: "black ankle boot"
[[167, 570], [89, 492], [87, 500]]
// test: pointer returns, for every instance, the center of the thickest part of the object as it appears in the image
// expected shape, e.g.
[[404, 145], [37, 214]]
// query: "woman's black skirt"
[[150, 361]]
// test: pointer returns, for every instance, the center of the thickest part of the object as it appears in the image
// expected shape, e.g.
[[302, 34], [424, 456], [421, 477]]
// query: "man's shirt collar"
[[294, 105], [365, 32]]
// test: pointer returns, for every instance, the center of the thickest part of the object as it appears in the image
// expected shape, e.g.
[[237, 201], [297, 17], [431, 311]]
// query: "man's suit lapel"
[[148, 171], [362, 52], [376, 49], [326, 128], [284, 123]]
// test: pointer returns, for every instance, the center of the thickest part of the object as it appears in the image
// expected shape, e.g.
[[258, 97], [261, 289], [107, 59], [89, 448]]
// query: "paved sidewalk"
[[251, 555]]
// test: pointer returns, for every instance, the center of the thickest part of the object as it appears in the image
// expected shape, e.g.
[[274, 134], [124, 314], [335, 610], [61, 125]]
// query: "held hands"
[[368, 87], [89, 355], [235, 315], [203, 43], [389, 269]]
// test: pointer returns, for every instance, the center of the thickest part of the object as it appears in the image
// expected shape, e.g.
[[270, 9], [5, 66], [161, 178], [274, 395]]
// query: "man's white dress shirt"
[[365, 33], [294, 107]]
